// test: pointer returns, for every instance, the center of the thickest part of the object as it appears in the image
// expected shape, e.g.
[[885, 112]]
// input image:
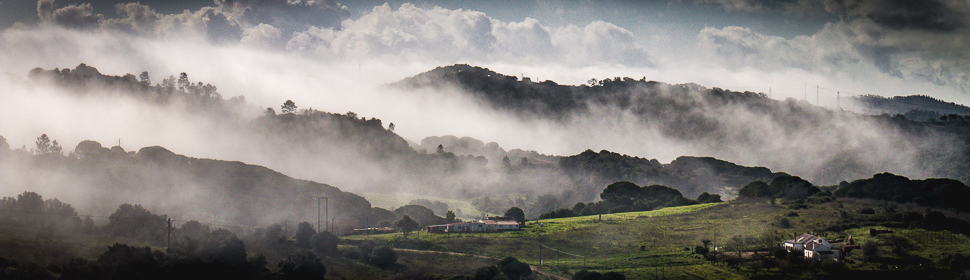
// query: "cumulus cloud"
[[454, 35], [223, 23], [287, 15], [262, 35], [408, 32], [73, 16], [915, 40], [739, 5]]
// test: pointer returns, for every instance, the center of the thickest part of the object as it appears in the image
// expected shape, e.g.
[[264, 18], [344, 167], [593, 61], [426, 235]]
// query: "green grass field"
[[659, 243]]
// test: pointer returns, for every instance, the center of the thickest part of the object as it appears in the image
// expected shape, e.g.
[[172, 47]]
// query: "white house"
[[813, 247], [490, 224]]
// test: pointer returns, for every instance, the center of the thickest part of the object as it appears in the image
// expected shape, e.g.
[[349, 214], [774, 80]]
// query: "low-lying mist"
[[660, 122]]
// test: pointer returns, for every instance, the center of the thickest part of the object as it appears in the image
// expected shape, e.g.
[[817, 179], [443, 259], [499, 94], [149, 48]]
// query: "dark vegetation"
[[942, 193], [625, 196]]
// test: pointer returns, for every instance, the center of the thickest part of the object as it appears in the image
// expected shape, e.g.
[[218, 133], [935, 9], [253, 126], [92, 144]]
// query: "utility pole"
[[318, 214], [327, 208], [540, 253], [169, 240], [837, 97]]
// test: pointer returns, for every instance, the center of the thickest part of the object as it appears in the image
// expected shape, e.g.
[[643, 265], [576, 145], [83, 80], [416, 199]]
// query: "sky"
[[334, 56]]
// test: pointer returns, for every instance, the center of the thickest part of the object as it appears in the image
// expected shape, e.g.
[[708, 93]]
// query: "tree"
[[441, 149], [302, 265], [46, 147], [390, 127], [450, 216], [516, 214], [269, 112], [183, 82], [303, 234], [351, 115], [288, 107], [325, 243], [486, 273], [382, 256], [145, 79], [406, 224], [4, 147], [88, 149], [514, 269]]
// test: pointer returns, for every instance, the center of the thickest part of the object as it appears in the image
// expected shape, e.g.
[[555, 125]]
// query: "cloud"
[[73, 16], [913, 40], [223, 23], [751, 6], [459, 35], [262, 35], [933, 15]]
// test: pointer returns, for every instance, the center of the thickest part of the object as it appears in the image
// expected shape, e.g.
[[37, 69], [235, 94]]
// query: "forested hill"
[[549, 99], [196, 97], [822, 145], [914, 107], [183, 187]]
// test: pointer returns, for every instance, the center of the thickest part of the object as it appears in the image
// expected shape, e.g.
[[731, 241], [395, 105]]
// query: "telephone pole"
[[169, 240], [327, 206]]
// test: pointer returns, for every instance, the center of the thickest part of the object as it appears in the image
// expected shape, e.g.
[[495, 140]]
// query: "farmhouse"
[[814, 247], [490, 224]]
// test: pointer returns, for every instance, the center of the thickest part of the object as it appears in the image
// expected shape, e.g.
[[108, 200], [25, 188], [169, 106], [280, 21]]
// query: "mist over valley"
[[437, 140]]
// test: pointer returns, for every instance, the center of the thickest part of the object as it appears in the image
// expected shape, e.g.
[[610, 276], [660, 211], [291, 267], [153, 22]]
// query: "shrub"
[[325, 243]]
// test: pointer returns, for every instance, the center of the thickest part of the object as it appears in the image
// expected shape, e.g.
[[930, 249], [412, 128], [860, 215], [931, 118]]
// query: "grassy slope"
[[614, 244]]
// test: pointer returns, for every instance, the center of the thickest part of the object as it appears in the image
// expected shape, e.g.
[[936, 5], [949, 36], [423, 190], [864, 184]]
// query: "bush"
[[783, 222], [701, 250], [486, 273], [303, 234], [514, 269], [325, 243], [381, 256], [867, 211], [302, 265]]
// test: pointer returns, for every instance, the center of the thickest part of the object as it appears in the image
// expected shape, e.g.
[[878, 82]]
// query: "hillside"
[[668, 243], [822, 145], [186, 188], [914, 107]]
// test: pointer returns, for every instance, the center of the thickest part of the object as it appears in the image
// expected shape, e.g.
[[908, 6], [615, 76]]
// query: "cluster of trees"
[[691, 175], [625, 196], [789, 187], [30, 210], [202, 97], [944, 193]]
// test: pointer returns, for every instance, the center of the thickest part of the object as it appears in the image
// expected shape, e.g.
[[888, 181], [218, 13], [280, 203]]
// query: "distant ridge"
[[914, 107]]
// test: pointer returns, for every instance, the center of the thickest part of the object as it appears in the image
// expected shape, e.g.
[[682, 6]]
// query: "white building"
[[491, 224], [814, 247]]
